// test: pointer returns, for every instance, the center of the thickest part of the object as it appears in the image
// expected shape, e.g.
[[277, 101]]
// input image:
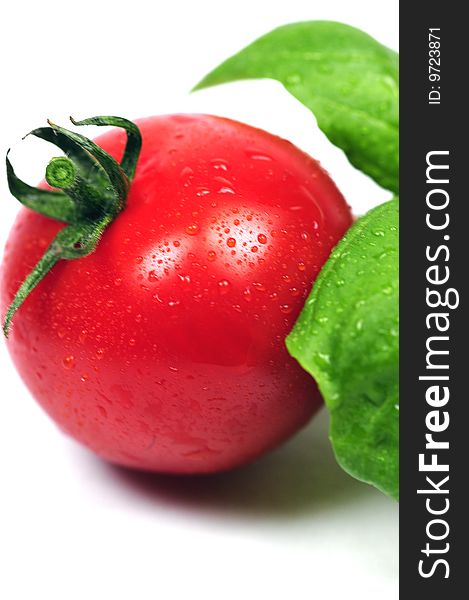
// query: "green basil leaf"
[[345, 77], [347, 338]]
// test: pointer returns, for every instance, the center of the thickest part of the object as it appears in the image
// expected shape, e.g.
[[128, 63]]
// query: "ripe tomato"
[[164, 349]]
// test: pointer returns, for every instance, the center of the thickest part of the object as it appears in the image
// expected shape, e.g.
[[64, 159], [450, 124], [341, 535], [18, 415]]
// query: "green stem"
[[74, 241], [93, 188]]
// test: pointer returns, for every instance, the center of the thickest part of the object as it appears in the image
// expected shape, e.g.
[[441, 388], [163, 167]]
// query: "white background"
[[293, 525]]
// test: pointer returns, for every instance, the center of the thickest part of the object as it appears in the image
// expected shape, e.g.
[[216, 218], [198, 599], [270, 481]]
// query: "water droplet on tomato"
[[254, 249], [99, 353], [139, 259], [295, 292], [192, 229], [301, 266], [262, 239], [247, 295], [231, 242], [118, 281], [152, 276], [68, 361], [185, 278], [132, 342], [254, 155], [211, 255], [186, 173], [220, 164], [226, 190], [286, 309], [224, 286]]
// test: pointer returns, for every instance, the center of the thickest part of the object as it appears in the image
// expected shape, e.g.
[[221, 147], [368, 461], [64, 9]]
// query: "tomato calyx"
[[91, 190]]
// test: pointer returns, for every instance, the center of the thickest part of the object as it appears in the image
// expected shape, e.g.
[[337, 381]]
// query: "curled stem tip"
[[61, 172]]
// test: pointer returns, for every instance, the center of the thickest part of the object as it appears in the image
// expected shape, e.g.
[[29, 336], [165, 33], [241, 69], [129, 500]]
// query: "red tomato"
[[164, 349]]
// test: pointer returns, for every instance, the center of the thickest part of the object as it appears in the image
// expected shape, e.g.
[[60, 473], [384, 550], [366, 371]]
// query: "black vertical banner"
[[434, 269]]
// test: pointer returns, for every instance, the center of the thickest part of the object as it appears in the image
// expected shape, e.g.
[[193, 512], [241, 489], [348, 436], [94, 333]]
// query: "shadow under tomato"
[[300, 477]]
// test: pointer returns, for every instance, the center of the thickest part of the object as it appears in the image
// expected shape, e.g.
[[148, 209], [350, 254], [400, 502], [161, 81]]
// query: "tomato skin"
[[164, 349]]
